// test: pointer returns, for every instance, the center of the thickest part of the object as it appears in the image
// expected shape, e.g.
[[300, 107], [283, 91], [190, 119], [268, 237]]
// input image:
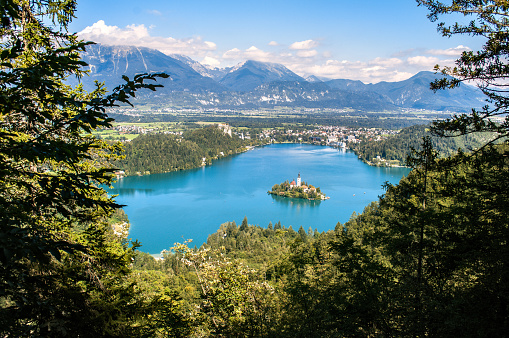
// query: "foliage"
[[428, 259], [62, 271], [258, 247], [395, 149], [234, 301], [160, 153], [488, 67], [356, 119], [424, 265]]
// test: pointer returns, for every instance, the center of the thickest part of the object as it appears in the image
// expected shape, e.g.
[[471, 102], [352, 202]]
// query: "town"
[[334, 136]]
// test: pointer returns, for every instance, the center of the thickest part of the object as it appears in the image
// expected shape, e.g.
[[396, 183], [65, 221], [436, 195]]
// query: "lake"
[[173, 207]]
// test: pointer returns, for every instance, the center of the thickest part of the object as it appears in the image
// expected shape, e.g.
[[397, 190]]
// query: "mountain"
[[342, 84], [214, 73], [415, 92], [313, 79], [253, 84], [250, 74], [312, 95], [108, 64]]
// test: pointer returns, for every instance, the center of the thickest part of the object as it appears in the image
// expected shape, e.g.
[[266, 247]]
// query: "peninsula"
[[297, 189]]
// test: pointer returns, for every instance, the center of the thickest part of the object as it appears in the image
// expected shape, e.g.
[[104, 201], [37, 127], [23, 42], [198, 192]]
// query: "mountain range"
[[253, 84]]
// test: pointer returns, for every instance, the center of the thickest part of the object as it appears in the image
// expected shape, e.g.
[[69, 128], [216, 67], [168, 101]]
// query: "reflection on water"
[[298, 203], [128, 191]]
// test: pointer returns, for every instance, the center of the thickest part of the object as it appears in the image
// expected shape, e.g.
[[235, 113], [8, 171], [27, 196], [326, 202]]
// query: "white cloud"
[[307, 53], [392, 62], [252, 53], [139, 35], [232, 54], [372, 71], [305, 57], [211, 61], [423, 61], [307, 44], [456, 51]]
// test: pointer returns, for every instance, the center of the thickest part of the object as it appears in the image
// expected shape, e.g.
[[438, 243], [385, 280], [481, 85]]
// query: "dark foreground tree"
[[62, 271], [488, 68]]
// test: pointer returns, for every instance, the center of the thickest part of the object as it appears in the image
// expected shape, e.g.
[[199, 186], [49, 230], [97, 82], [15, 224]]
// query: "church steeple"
[[299, 182]]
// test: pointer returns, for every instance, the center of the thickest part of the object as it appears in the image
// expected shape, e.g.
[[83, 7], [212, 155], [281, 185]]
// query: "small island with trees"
[[298, 189]]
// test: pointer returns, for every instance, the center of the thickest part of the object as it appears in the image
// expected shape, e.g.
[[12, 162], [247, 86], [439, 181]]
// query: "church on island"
[[299, 184], [297, 189]]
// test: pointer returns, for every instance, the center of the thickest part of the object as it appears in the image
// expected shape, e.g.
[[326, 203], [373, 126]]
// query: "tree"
[[302, 234], [430, 271], [234, 301], [479, 217], [244, 225], [489, 67], [61, 269], [277, 226]]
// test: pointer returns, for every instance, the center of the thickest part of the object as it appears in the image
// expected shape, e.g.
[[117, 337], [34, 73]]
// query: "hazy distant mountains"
[[254, 84]]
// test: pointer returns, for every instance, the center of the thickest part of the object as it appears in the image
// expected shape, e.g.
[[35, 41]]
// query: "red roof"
[[293, 182]]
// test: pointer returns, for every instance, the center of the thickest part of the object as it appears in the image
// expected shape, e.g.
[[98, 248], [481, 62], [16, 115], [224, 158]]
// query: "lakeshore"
[[191, 204]]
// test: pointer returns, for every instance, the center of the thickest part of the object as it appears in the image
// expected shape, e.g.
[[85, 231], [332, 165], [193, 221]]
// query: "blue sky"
[[370, 40]]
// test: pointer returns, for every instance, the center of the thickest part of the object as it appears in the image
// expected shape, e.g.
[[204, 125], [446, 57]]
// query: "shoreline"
[[299, 198], [248, 148]]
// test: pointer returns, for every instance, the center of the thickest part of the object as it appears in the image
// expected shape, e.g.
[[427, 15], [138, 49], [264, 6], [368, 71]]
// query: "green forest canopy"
[[159, 153], [397, 148]]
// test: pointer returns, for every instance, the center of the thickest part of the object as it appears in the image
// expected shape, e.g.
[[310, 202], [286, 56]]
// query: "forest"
[[397, 148], [159, 153], [428, 259]]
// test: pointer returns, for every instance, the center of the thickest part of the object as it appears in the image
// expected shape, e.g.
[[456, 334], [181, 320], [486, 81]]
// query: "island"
[[297, 189]]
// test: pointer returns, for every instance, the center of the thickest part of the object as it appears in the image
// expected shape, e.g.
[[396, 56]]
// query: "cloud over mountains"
[[305, 57]]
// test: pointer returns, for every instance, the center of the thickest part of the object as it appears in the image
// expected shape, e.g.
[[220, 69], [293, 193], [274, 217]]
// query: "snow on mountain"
[[108, 64], [204, 70], [250, 74], [260, 84]]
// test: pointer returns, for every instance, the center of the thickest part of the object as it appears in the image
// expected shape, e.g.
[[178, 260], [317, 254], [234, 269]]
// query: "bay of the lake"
[[173, 207]]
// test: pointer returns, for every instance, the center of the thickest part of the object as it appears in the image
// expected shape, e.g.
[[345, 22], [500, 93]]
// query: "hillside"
[[395, 149], [159, 153]]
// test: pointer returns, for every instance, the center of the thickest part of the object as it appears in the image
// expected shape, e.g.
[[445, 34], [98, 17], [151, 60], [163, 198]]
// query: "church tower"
[[299, 182]]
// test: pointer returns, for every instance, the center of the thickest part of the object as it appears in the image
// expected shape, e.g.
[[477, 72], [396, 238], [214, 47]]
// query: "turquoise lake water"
[[173, 207]]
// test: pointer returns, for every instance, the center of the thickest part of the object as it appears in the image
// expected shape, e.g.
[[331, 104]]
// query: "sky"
[[369, 40]]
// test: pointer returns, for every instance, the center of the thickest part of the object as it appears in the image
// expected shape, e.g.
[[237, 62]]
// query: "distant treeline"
[[159, 153], [398, 147], [350, 120]]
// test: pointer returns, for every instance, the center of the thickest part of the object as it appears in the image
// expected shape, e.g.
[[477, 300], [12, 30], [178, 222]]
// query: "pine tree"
[[244, 225]]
